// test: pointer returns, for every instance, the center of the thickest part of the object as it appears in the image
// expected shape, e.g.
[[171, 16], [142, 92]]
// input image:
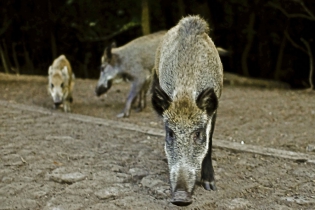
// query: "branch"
[[307, 10], [311, 17], [311, 62], [6, 24], [293, 43], [104, 38]]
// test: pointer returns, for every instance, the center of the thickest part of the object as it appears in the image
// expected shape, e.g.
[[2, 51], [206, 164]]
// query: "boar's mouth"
[[99, 90]]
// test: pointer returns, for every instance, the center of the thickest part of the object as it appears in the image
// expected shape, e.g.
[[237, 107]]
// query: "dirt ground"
[[48, 161]]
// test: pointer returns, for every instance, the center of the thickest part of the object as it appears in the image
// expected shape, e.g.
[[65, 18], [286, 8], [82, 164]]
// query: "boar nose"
[[99, 90], [181, 198], [57, 104]]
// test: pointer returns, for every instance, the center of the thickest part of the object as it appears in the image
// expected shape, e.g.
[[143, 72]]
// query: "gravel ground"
[[51, 161]]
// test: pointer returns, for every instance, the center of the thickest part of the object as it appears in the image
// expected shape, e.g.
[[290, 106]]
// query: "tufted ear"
[[113, 45], [50, 70], [64, 71], [160, 100], [207, 100], [108, 51]]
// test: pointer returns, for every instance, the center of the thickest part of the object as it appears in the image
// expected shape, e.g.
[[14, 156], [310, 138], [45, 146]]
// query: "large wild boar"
[[61, 82], [131, 62], [187, 83]]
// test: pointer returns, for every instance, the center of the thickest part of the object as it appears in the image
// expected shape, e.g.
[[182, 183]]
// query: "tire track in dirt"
[[296, 156]]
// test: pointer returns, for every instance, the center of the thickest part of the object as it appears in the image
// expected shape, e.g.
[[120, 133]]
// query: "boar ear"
[[108, 51], [207, 100], [50, 70], [160, 100], [64, 71]]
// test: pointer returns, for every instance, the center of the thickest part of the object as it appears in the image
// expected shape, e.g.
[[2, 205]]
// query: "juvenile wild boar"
[[132, 62], [61, 82], [187, 83]]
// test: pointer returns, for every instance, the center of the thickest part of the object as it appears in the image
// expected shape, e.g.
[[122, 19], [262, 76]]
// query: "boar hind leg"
[[134, 92], [142, 103], [207, 173]]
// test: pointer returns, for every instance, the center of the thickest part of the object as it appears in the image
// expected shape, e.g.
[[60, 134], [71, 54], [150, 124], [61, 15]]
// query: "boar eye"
[[62, 85], [52, 85], [198, 137], [169, 135]]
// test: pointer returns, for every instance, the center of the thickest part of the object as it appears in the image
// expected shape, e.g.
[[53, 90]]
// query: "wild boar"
[[187, 84], [132, 62], [61, 82]]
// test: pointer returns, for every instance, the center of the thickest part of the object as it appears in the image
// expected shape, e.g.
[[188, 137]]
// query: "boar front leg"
[[207, 173], [135, 90], [66, 106]]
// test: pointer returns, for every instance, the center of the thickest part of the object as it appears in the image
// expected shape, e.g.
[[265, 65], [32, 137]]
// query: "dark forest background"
[[271, 39]]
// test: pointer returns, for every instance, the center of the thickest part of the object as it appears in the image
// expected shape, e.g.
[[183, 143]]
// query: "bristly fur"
[[61, 81], [187, 83], [192, 25], [132, 62]]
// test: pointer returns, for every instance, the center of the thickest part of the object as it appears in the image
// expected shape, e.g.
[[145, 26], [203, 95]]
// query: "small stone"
[[70, 178], [310, 148], [237, 203], [150, 182], [109, 193], [6, 179], [138, 173]]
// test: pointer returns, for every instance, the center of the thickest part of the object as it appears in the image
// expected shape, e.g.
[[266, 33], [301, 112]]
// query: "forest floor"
[[55, 160]]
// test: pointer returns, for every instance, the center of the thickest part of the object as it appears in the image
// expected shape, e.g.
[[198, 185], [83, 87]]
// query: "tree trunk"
[[16, 62], [279, 59], [203, 9], [6, 54], [181, 8], [3, 60], [53, 46], [145, 17], [88, 55], [29, 63], [250, 37], [309, 51]]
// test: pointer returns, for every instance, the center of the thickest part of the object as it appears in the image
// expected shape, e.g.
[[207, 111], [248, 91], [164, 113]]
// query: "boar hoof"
[[123, 114], [138, 109], [181, 198], [210, 186]]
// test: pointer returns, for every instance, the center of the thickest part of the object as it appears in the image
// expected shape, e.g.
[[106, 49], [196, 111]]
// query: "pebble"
[[59, 176], [236, 203], [109, 193], [310, 148], [138, 173], [151, 182]]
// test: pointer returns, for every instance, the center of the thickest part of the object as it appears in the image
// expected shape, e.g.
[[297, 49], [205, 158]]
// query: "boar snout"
[[57, 101], [57, 104], [101, 89], [181, 198]]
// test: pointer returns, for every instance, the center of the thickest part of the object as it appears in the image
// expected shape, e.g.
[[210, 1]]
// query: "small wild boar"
[[132, 62], [187, 83], [61, 82]]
